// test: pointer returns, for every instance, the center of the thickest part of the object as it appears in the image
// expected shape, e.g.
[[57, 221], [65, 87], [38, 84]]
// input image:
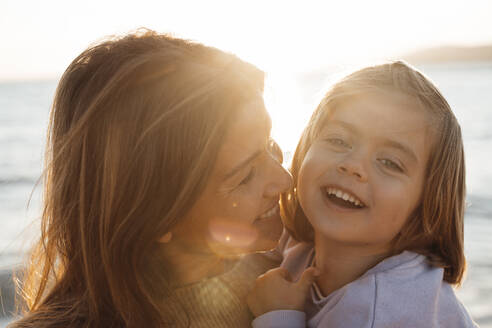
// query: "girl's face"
[[362, 176], [238, 210]]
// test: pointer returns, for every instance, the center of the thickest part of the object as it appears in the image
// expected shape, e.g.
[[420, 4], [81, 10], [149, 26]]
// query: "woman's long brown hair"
[[134, 131]]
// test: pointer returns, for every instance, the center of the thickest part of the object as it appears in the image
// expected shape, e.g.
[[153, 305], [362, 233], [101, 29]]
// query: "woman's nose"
[[280, 178], [280, 181]]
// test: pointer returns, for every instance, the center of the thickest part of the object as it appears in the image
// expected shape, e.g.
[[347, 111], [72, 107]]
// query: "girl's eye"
[[391, 165], [248, 178], [338, 142]]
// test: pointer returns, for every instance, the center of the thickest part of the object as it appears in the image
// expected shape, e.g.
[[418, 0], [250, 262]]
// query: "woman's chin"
[[269, 232], [231, 238]]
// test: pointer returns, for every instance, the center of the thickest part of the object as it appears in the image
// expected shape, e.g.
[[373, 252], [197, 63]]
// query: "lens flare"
[[232, 233]]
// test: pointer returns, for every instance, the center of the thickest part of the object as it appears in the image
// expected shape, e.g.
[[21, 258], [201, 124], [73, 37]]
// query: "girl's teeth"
[[344, 196]]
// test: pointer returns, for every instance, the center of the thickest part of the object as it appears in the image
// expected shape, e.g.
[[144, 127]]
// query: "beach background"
[[24, 108], [302, 46]]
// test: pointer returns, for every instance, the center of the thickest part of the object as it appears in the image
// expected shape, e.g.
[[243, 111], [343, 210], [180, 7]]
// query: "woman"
[[159, 172]]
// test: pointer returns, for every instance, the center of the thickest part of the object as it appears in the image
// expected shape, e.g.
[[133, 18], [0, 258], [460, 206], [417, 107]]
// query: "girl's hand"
[[275, 290]]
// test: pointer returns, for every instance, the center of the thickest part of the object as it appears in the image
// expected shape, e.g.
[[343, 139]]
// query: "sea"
[[24, 111]]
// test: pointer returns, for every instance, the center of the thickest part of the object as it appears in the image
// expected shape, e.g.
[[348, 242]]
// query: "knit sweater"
[[402, 291], [219, 301]]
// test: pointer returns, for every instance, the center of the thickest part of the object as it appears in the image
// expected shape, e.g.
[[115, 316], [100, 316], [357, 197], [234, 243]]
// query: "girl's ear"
[[166, 238]]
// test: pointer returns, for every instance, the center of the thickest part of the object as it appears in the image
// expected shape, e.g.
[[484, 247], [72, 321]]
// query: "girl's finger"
[[282, 272], [307, 279]]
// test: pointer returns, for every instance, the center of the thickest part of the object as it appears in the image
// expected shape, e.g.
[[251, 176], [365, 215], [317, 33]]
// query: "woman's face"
[[238, 210]]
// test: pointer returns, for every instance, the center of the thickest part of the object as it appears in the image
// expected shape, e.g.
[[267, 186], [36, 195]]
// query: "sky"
[[40, 38]]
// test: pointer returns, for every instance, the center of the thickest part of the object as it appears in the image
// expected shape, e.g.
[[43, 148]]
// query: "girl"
[[376, 211], [159, 171]]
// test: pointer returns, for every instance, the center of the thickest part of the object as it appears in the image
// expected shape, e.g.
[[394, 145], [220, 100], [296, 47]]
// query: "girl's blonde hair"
[[135, 128], [435, 228]]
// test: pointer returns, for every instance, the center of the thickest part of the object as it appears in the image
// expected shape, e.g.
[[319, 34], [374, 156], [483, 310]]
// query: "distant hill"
[[450, 54]]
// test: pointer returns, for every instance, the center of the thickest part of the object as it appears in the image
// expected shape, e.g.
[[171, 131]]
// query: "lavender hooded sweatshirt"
[[402, 291]]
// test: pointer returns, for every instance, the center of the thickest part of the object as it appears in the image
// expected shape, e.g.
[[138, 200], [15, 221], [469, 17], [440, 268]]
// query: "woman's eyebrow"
[[241, 165]]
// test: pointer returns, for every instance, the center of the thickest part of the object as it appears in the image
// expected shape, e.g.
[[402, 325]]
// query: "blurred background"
[[302, 46]]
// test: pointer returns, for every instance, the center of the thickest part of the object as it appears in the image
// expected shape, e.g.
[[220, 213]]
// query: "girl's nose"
[[354, 168]]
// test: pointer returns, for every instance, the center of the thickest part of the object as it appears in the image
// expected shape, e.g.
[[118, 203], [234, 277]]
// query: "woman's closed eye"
[[248, 177]]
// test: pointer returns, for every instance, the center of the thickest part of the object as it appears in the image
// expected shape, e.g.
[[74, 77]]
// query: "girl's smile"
[[345, 199]]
